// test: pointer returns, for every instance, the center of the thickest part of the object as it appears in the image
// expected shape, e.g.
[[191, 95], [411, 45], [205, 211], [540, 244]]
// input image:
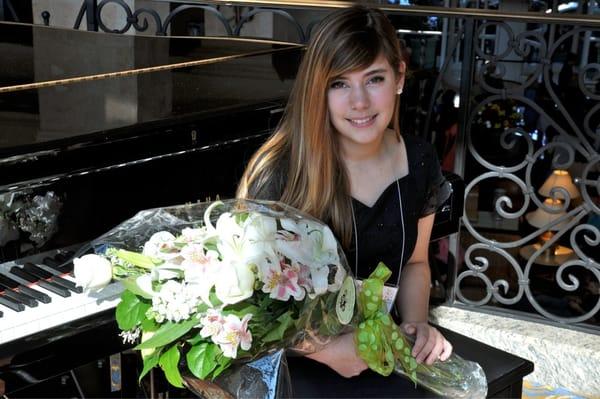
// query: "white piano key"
[[59, 311]]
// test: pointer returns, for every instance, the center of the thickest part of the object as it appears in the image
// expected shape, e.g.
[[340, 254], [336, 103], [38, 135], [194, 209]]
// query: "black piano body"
[[95, 127]]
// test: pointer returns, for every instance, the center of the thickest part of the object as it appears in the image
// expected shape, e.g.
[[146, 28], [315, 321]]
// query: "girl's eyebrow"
[[369, 73], [376, 71]]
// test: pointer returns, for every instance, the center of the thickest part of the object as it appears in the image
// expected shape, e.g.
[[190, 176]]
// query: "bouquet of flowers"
[[211, 286]]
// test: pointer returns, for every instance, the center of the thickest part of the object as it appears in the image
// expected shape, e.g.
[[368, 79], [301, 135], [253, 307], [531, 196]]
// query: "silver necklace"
[[403, 235]]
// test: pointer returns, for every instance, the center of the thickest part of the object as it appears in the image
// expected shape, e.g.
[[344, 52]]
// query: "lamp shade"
[[540, 217], [559, 178]]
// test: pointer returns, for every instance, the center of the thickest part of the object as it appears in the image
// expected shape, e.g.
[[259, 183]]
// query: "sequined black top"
[[379, 227]]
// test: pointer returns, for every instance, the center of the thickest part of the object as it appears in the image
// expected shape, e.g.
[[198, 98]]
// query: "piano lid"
[[58, 86]]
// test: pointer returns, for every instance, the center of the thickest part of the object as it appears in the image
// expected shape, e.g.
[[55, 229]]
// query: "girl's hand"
[[430, 345], [341, 356]]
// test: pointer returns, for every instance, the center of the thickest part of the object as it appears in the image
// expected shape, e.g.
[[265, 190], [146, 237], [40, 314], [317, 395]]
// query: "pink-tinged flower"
[[200, 269], [281, 282], [190, 235], [303, 272], [212, 324], [194, 254], [162, 246], [312, 244], [235, 333]]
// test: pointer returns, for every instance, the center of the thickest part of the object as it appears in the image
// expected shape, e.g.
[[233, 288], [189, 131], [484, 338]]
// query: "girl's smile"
[[361, 103]]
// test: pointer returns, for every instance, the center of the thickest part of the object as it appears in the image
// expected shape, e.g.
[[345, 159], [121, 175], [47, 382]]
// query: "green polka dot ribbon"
[[379, 340]]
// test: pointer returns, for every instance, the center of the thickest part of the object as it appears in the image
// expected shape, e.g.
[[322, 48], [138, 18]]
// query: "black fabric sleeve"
[[438, 189]]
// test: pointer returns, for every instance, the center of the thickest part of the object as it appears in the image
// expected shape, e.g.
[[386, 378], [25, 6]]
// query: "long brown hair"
[[305, 144]]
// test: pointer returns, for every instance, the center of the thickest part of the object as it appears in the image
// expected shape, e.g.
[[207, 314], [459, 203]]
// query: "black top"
[[379, 228], [380, 232]]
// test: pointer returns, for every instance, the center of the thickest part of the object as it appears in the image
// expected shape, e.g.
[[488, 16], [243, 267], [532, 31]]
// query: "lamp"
[[541, 217], [559, 178]]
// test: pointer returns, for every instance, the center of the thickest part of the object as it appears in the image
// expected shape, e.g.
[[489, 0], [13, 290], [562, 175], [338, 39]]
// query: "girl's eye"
[[376, 79], [337, 85]]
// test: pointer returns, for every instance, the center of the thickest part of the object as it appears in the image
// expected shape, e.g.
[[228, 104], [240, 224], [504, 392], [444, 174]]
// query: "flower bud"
[[92, 272]]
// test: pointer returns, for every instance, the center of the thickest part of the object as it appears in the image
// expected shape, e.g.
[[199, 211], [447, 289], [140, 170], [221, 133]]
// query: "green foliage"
[[169, 363], [130, 311], [283, 322], [137, 259], [168, 333], [150, 362], [131, 285], [202, 359]]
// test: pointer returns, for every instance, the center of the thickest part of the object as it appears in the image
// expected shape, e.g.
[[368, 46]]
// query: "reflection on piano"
[[93, 128]]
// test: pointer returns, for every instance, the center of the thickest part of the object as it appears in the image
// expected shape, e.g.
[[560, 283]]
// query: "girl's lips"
[[362, 122]]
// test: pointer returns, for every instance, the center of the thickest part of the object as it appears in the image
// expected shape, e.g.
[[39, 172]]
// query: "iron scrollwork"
[[138, 19], [571, 142]]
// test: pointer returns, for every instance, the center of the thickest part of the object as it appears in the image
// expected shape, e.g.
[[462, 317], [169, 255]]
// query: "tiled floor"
[[532, 390]]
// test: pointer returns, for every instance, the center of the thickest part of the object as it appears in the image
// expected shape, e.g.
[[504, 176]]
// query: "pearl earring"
[[399, 91]]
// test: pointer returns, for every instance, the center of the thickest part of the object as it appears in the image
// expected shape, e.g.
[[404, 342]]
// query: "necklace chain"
[[403, 235]]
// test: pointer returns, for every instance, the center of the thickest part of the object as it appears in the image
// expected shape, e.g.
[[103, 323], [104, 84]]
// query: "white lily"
[[261, 231], [234, 282], [144, 284], [92, 272], [314, 245]]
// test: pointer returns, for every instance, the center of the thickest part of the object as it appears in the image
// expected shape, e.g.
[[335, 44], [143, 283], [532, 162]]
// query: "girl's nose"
[[359, 98]]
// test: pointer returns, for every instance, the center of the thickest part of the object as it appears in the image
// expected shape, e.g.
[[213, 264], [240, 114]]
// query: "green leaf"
[[130, 285], [285, 321], [149, 363], [241, 217], [196, 339], [224, 363], [201, 359], [149, 325], [168, 333], [130, 311], [169, 362], [137, 259]]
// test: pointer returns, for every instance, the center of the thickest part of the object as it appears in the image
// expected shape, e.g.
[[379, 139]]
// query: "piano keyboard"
[[39, 293]]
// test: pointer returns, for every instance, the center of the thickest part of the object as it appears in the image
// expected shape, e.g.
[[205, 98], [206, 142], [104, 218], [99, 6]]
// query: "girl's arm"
[[413, 300]]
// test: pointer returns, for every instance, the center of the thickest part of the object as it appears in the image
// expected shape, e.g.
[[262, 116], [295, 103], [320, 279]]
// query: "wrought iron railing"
[[528, 85]]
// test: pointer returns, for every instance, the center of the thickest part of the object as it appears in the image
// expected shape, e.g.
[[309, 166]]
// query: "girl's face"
[[361, 103]]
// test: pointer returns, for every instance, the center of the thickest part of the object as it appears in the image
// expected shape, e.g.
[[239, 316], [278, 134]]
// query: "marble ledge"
[[562, 357]]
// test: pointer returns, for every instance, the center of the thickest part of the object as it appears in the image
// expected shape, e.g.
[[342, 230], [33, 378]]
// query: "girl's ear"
[[401, 76]]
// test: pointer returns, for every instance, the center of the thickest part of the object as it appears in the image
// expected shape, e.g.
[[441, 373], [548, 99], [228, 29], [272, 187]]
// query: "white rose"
[[92, 272]]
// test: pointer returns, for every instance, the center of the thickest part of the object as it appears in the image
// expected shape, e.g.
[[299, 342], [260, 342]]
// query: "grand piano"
[[95, 127]]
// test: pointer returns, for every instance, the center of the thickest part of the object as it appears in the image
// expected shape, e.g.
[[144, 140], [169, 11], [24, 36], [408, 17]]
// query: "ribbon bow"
[[379, 340]]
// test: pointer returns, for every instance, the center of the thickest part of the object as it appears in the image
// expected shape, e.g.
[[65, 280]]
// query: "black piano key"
[[11, 304], [60, 267], [16, 286], [64, 256], [52, 287], [46, 275], [19, 297]]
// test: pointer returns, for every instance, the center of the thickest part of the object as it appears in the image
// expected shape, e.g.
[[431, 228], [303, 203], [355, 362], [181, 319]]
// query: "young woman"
[[339, 156]]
